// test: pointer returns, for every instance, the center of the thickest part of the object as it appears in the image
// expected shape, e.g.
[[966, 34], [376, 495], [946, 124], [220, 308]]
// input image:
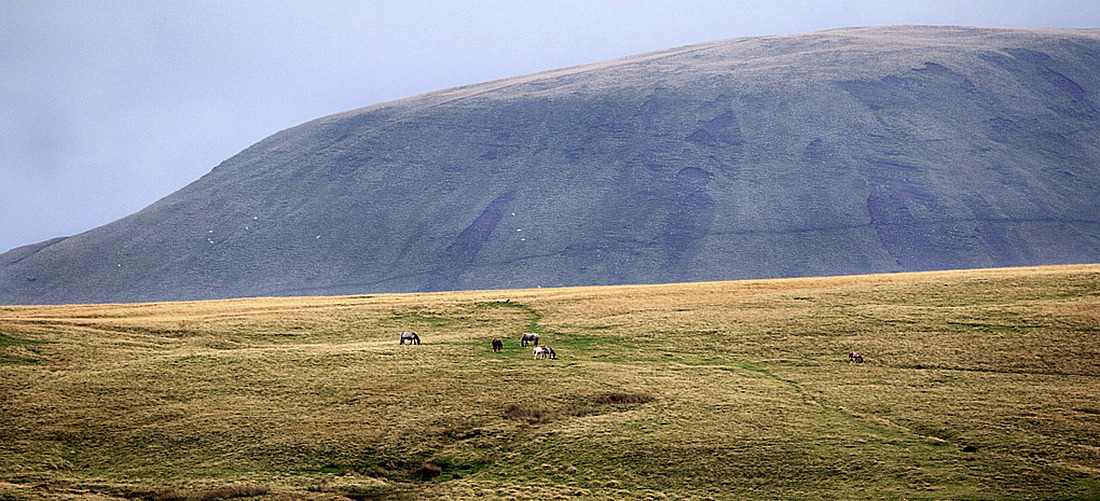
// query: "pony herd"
[[543, 351], [530, 338]]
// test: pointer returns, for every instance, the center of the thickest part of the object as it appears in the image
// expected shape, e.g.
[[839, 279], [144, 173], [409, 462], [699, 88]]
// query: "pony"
[[411, 337], [855, 357], [529, 337], [498, 345], [544, 352]]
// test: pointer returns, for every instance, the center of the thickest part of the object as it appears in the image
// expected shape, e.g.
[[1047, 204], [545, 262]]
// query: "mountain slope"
[[839, 152]]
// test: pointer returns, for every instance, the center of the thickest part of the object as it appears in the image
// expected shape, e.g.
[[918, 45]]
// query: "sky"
[[108, 106]]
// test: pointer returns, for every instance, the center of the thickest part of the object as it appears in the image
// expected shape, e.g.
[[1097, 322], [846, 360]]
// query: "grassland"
[[977, 385]]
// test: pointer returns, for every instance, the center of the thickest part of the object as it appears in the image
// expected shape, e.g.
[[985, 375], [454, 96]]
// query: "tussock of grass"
[[531, 414], [619, 398]]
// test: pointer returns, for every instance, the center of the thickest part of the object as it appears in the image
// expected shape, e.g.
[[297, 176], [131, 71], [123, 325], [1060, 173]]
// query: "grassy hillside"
[[977, 385], [843, 152]]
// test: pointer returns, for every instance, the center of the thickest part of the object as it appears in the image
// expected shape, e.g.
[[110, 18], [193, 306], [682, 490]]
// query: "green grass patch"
[[6, 341], [1089, 489], [17, 351]]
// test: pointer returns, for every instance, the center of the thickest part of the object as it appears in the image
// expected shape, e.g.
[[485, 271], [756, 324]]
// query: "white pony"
[[544, 352]]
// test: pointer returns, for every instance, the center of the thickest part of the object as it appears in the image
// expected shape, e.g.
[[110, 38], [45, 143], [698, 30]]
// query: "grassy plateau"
[[976, 385]]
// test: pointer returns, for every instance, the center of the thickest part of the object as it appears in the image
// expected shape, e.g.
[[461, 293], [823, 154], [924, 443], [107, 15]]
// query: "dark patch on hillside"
[[719, 132], [1043, 75], [993, 233], [695, 174], [690, 217], [875, 94], [460, 255], [896, 198]]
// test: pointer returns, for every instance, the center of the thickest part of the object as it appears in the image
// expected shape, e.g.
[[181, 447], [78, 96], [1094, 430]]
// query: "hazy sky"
[[107, 106]]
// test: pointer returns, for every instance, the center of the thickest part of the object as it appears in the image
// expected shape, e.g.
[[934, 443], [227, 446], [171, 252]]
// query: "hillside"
[[975, 385], [849, 151]]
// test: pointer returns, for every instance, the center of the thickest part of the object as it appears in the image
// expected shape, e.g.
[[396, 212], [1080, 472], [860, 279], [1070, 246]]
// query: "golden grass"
[[977, 384]]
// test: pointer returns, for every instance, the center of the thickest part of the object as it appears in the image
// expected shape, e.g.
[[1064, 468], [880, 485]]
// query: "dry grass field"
[[976, 385]]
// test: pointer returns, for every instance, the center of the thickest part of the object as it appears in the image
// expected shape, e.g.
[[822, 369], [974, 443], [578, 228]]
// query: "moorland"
[[981, 384]]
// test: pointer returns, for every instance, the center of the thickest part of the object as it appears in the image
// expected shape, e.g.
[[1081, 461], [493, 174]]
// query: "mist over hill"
[[840, 152]]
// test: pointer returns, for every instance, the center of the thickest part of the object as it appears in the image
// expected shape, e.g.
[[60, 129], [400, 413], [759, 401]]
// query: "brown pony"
[[498, 344]]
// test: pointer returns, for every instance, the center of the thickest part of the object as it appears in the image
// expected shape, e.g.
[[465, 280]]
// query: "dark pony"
[[529, 337], [411, 337], [498, 344], [855, 357]]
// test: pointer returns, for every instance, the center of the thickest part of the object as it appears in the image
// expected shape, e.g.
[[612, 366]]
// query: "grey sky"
[[107, 106]]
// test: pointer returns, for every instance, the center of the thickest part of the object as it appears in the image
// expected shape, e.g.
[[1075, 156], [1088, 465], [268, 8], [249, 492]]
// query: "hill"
[[975, 385], [841, 152]]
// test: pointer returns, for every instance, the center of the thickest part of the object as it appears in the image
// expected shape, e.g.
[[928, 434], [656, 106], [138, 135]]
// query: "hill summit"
[[840, 152]]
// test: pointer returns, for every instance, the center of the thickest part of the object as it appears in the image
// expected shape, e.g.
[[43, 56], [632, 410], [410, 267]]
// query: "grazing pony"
[[529, 337], [855, 357], [498, 344], [544, 352], [411, 337]]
